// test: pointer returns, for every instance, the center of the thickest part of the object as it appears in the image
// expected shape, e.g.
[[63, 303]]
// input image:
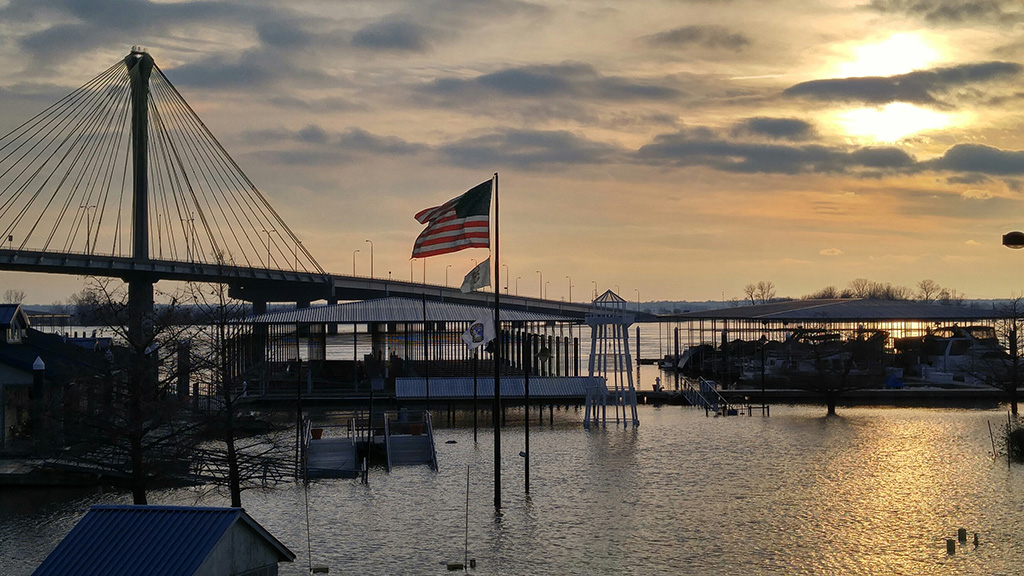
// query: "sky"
[[665, 149]]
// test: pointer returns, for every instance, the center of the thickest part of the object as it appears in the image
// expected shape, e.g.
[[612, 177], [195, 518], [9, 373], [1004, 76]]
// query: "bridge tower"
[[140, 285], [610, 359]]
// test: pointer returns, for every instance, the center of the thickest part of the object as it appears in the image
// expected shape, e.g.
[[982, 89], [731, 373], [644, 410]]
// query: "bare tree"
[[826, 292], [860, 287], [14, 296], [128, 422], [927, 290], [761, 293], [765, 291], [750, 291]]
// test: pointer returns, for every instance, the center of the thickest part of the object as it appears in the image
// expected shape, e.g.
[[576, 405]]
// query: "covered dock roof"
[[845, 310], [396, 309], [163, 541]]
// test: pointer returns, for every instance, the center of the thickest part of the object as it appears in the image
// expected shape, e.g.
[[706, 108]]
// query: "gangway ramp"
[[409, 439], [331, 452]]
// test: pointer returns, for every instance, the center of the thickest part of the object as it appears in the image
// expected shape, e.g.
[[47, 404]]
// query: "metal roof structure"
[[395, 309], [844, 310], [450, 387], [152, 540], [8, 312]]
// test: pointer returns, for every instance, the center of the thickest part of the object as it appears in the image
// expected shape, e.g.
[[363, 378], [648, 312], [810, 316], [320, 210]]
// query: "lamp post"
[[569, 278], [546, 289], [410, 270], [517, 285], [446, 275], [505, 266], [540, 285], [354, 261], [371, 258], [269, 232]]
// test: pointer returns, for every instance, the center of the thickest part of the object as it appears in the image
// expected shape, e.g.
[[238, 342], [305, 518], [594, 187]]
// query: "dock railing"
[[430, 434], [387, 439]]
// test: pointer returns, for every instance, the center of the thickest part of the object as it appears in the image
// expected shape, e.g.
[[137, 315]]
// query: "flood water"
[[871, 491]]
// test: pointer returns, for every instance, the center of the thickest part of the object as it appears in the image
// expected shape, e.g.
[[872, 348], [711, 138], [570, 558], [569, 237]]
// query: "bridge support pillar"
[[332, 329]]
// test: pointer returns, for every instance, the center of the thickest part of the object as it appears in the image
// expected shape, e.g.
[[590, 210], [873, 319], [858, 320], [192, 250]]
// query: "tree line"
[[927, 290]]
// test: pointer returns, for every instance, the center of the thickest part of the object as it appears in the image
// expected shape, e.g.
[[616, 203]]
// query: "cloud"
[[775, 128], [968, 179], [63, 27], [713, 37], [980, 159], [396, 35], [689, 149], [528, 148], [318, 145], [953, 11], [284, 34], [975, 194], [548, 81], [919, 87], [831, 252]]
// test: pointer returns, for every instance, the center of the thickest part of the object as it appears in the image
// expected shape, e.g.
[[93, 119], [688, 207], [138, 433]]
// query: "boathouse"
[[166, 541], [721, 341], [396, 345]]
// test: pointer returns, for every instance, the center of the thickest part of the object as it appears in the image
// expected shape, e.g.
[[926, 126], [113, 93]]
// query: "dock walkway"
[[330, 456]]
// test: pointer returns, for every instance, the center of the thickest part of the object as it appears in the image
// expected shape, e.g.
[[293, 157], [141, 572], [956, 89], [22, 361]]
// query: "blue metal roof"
[[396, 309], [152, 540]]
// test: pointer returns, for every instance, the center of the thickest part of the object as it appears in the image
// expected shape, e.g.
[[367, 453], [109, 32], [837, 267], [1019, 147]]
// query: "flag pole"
[[496, 409]]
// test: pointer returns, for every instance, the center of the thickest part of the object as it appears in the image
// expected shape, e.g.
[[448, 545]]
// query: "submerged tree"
[[826, 364], [223, 361], [1001, 364], [126, 420], [132, 418]]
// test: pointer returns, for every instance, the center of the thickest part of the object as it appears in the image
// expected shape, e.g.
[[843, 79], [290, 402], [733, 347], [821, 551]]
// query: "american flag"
[[462, 222]]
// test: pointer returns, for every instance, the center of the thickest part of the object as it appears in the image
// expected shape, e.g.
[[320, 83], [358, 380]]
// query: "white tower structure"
[[609, 359]]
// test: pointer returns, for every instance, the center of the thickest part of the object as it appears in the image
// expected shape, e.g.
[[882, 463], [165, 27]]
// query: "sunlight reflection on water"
[[873, 491]]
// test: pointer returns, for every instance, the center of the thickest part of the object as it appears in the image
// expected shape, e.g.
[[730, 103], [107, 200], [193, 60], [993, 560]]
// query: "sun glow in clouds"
[[900, 54], [892, 122]]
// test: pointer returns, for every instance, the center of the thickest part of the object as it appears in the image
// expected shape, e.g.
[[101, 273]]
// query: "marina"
[[873, 490]]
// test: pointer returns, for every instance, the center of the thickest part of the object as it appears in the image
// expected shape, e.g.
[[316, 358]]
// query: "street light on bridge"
[[269, 232], [446, 275], [371, 258], [517, 285], [567, 277], [506, 278], [354, 261], [540, 286]]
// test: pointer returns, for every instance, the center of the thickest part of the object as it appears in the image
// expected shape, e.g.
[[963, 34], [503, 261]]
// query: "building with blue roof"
[[166, 541]]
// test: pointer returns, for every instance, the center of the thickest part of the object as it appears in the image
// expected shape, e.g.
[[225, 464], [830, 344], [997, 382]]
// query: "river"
[[871, 491]]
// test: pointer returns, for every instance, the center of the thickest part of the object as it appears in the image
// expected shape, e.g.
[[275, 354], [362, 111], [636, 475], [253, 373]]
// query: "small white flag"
[[478, 277], [480, 332]]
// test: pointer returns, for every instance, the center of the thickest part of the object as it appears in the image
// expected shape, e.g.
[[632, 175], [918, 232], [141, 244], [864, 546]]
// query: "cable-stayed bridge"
[[121, 178]]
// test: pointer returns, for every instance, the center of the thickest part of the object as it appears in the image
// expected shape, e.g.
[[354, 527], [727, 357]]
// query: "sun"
[[899, 54], [893, 122]]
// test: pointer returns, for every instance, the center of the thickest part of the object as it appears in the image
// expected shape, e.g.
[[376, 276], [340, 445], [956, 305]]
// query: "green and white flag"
[[478, 277]]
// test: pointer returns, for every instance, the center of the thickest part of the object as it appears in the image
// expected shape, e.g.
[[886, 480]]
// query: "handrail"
[[387, 439], [710, 386], [430, 435]]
